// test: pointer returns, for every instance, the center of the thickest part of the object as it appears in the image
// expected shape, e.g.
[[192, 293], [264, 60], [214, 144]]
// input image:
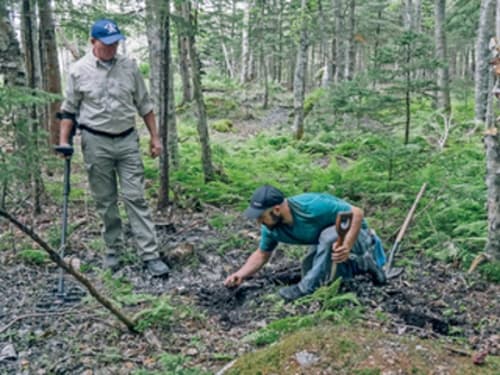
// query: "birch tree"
[[482, 73], [492, 146]]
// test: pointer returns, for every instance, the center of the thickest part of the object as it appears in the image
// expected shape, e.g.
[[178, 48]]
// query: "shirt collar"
[[98, 62]]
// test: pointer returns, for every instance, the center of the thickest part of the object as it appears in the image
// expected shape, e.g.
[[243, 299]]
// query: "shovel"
[[342, 226], [67, 152], [392, 272]]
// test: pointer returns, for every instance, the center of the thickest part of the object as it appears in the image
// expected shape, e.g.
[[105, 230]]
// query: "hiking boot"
[[157, 267], [377, 273], [291, 293], [111, 262]]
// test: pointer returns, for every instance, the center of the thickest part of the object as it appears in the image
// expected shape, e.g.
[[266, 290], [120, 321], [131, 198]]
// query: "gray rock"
[[306, 359], [8, 352]]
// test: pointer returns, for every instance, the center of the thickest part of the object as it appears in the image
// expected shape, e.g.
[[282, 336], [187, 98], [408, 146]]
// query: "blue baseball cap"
[[263, 198], [106, 31]]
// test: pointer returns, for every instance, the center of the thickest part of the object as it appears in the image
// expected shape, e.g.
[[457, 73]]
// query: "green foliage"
[[219, 106], [329, 297], [277, 328], [220, 221], [223, 125], [33, 257], [159, 314], [491, 271], [311, 99], [145, 69]]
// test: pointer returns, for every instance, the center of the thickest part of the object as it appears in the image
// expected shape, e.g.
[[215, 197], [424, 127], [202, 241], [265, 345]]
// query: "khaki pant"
[[109, 161]]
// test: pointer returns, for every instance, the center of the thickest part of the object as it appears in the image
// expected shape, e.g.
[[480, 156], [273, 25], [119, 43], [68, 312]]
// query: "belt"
[[106, 134]]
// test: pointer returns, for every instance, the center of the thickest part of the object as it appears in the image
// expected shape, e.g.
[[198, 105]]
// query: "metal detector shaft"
[[67, 151], [395, 247]]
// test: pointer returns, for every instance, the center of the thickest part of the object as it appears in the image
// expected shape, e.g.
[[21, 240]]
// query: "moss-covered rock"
[[223, 125]]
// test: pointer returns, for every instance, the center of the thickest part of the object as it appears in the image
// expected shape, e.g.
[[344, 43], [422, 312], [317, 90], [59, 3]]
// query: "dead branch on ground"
[[69, 269]]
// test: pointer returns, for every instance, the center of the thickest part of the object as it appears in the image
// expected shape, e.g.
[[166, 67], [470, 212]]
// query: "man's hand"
[[155, 147], [340, 253], [64, 150], [233, 280]]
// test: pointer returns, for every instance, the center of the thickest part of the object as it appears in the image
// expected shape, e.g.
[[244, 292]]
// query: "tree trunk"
[[173, 138], [482, 66], [408, 27], [491, 143], [154, 44], [11, 60], [202, 126], [51, 73], [492, 146], [300, 74], [29, 138], [443, 78], [263, 60], [417, 22], [158, 33], [245, 44], [339, 41], [351, 43], [184, 63], [327, 77], [279, 69]]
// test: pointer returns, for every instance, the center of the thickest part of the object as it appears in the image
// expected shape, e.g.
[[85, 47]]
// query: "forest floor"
[[201, 322]]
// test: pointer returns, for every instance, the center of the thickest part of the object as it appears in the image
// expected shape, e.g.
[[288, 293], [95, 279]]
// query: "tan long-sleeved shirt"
[[106, 97]]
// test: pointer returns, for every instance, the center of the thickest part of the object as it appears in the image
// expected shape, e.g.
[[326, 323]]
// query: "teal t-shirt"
[[312, 212]]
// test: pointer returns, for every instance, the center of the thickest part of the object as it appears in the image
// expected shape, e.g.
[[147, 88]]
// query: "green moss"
[[223, 125], [312, 99], [34, 257], [355, 350]]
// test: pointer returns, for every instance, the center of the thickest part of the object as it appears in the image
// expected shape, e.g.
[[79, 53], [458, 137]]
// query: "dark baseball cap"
[[263, 198], [106, 31]]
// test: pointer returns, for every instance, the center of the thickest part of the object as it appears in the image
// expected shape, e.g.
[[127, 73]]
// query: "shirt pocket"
[[92, 91], [120, 91]]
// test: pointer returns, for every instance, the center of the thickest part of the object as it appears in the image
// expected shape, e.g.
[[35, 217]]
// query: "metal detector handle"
[[66, 150]]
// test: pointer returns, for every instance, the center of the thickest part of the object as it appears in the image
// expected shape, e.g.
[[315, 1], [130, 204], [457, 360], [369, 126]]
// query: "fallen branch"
[[69, 269]]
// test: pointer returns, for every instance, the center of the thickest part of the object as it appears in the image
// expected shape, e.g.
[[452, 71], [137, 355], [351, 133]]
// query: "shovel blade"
[[394, 272]]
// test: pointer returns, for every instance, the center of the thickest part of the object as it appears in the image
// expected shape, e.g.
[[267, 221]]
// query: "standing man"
[[309, 219], [104, 92]]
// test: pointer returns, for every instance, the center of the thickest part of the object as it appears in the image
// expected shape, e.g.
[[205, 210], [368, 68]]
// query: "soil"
[[42, 334], [80, 337]]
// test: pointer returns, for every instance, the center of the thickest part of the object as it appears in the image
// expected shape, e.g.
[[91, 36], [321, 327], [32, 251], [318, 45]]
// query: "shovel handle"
[[342, 225]]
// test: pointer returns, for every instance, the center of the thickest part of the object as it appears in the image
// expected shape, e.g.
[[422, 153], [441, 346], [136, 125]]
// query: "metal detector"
[[67, 151]]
